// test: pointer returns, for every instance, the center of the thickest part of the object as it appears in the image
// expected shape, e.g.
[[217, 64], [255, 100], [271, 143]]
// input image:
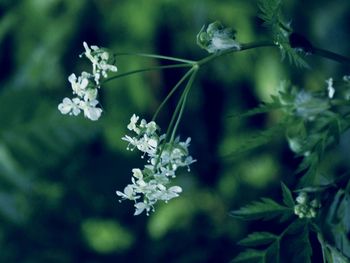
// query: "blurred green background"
[[59, 174]]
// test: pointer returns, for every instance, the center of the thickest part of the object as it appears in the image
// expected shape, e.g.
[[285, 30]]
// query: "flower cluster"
[[306, 208], [217, 38], [302, 103], [85, 87], [164, 158]]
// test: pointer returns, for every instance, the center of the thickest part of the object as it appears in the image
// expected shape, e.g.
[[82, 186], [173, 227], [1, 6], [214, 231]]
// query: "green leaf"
[[293, 57], [249, 256], [336, 256], [257, 239], [265, 209], [295, 244], [263, 108], [272, 253], [287, 196], [252, 141], [270, 11]]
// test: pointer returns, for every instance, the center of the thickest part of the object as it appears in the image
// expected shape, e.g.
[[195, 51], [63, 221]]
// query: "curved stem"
[[183, 104], [179, 108], [147, 69], [187, 61], [171, 93]]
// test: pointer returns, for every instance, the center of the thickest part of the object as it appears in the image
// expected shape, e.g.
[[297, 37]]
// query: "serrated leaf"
[[287, 196], [293, 57], [270, 11], [296, 244], [252, 141], [273, 253], [265, 209], [263, 108], [257, 239], [249, 256]]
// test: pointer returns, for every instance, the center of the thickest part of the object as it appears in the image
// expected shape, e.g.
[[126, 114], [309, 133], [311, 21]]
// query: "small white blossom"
[[151, 127], [305, 208], [70, 106], [346, 78], [90, 95], [78, 84], [132, 125], [140, 207], [90, 110], [222, 42], [99, 60], [302, 198], [330, 88], [309, 106], [137, 173], [128, 193]]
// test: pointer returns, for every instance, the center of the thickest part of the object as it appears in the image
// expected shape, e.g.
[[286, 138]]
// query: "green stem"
[[146, 69], [246, 46], [187, 61], [183, 103], [171, 93], [330, 55], [191, 72]]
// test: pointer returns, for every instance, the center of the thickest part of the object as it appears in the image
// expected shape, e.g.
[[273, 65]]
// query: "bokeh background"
[[59, 174]]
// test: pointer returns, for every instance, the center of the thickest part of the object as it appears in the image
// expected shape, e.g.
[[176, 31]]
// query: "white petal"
[[139, 208], [66, 106], [84, 82], [129, 190], [72, 78], [175, 189], [137, 173]]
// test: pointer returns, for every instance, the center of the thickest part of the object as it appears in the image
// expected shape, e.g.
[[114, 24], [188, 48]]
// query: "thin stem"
[[187, 61], [147, 69], [243, 47], [315, 51], [183, 104], [330, 55], [171, 93], [175, 114]]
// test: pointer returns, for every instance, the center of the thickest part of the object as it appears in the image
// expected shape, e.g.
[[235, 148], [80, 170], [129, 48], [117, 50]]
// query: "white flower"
[[90, 94], [330, 88], [70, 106], [151, 127], [140, 207], [147, 145], [78, 84], [128, 193], [99, 60], [90, 110], [171, 193], [302, 198], [308, 106], [132, 125], [137, 173], [222, 42]]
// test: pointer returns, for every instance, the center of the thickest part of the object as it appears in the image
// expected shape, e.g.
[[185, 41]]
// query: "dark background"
[[59, 174]]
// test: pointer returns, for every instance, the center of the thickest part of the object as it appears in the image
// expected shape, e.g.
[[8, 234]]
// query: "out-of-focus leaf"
[[265, 209], [249, 256], [257, 239], [287, 196]]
